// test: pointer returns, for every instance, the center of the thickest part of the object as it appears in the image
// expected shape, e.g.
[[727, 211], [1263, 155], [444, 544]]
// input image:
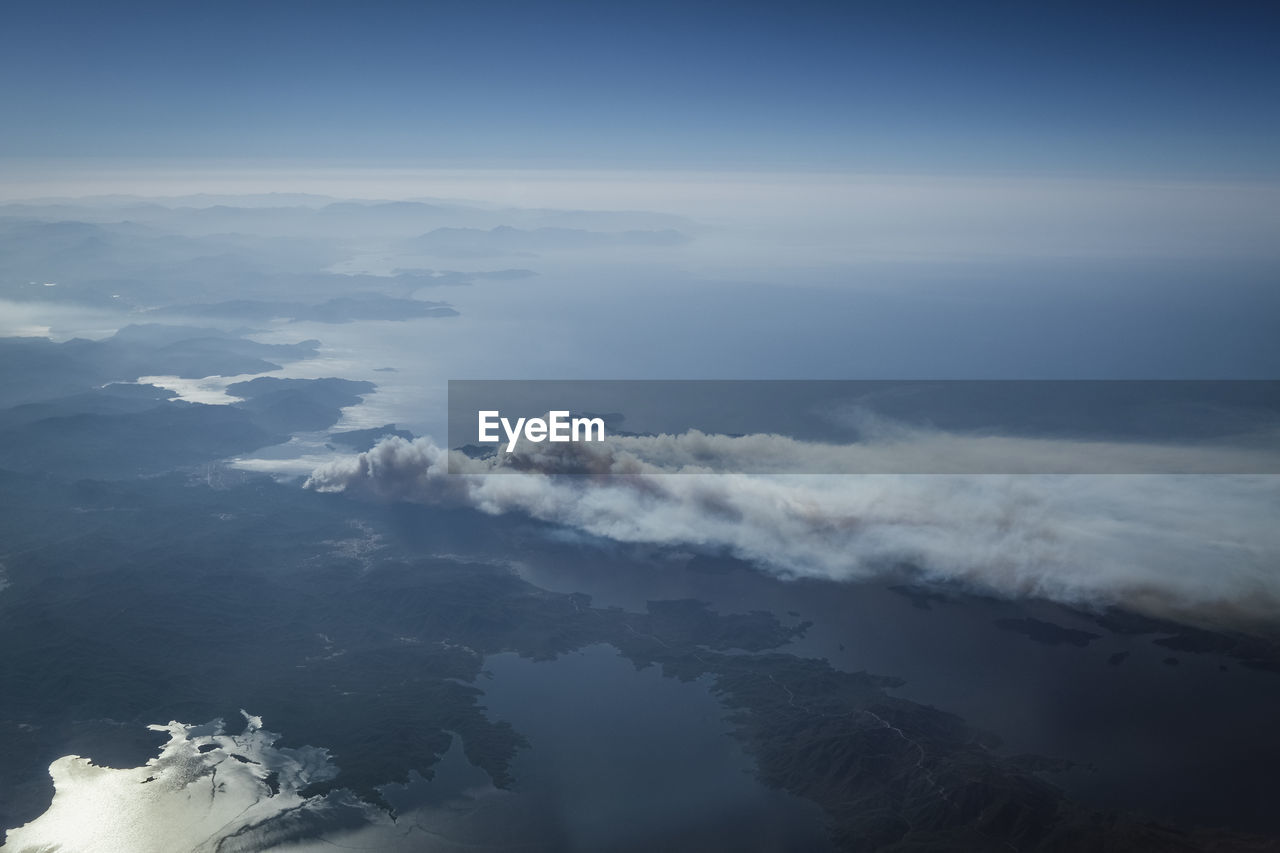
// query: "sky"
[[1172, 89]]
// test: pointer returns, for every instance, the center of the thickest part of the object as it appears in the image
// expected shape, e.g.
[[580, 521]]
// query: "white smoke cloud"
[[1200, 548]]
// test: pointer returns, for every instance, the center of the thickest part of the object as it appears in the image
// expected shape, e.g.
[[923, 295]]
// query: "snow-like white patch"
[[206, 791]]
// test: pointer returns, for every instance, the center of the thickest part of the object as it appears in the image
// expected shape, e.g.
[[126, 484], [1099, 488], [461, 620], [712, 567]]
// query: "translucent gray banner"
[[624, 427]]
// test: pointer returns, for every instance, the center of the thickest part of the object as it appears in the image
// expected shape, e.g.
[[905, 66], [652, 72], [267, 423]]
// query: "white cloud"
[[1200, 548]]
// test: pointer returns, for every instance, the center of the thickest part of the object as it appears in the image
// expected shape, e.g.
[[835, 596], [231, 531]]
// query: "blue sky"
[[1167, 89]]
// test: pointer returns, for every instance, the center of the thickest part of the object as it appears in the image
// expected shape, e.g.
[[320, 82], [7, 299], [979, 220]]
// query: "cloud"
[[1199, 548]]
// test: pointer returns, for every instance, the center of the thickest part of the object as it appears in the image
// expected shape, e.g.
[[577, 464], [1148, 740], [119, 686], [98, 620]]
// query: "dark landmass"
[[477, 451], [166, 436], [1046, 632], [363, 439], [358, 628], [1117, 658], [1255, 652], [111, 399], [375, 652], [115, 429], [293, 405], [128, 265], [505, 275], [920, 597], [34, 369], [716, 564], [275, 214], [506, 240], [223, 259], [341, 309]]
